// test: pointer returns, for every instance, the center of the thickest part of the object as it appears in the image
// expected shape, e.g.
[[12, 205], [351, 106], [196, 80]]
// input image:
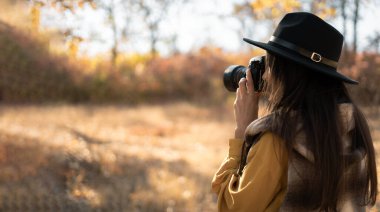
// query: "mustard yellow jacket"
[[262, 186]]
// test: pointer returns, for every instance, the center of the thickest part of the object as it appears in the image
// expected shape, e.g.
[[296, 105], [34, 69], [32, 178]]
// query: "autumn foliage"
[[100, 155], [32, 73], [364, 67], [29, 72]]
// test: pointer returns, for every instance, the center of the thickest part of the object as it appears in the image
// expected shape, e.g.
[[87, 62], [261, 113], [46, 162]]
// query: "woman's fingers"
[[245, 107], [250, 88], [243, 86]]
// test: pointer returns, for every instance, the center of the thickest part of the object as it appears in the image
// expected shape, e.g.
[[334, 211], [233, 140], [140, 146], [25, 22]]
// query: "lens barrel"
[[232, 76]]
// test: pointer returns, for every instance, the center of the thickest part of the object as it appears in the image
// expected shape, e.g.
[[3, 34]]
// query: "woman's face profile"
[[267, 73], [267, 77]]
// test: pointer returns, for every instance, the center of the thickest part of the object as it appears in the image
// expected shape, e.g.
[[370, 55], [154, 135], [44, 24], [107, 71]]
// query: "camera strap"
[[249, 141]]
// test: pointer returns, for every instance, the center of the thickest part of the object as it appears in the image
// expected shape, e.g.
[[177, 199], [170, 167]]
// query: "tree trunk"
[[153, 41], [344, 19], [313, 7], [153, 38], [355, 26], [114, 51]]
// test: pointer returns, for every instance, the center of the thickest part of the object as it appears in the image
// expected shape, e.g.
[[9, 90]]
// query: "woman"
[[313, 151]]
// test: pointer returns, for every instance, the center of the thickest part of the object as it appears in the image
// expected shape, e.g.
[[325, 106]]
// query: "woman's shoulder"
[[269, 146], [260, 125], [270, 137]]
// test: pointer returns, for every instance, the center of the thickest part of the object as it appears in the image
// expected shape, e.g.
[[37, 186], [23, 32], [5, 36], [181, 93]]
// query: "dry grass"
[[146, 158], [114, 158]]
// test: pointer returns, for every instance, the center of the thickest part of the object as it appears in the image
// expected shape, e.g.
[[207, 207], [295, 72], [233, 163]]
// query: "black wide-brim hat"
[[307, 40]]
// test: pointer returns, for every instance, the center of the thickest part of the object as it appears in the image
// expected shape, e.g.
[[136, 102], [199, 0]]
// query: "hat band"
[[312, 55]]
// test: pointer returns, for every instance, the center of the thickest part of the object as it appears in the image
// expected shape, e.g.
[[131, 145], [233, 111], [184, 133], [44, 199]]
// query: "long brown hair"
[[316, 99]]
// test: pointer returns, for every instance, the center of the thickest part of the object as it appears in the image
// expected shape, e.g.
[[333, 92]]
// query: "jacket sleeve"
[[261, 179]]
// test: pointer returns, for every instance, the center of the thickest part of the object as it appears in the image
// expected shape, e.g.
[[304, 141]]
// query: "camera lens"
[[234, 73], [232, 76]]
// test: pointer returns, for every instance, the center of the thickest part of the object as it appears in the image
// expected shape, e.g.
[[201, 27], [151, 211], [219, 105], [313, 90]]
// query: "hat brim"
[[294, 56]]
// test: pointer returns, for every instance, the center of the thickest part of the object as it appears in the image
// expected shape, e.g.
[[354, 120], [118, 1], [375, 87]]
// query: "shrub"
[[364, 67]]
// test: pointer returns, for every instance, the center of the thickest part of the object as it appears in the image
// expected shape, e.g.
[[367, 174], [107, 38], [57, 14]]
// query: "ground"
[[115, 158]]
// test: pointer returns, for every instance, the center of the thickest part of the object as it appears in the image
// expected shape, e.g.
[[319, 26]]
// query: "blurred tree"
[[374, 42], [350, 11], [122, 16], [171, 42], [241, 12], [325, 9], [343, 14], [109, 6], [355, 20], [272, 10], [35, 14], [73, 42], [112, 19], [154, 12], [120, 31], [61, 6], [70, 5]]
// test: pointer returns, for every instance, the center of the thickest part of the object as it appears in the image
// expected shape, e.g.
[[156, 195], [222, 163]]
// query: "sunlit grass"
[[158, 157]]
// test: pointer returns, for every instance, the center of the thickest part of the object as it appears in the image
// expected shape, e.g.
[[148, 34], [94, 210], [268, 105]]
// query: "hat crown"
[[309, 32], [309, 41]]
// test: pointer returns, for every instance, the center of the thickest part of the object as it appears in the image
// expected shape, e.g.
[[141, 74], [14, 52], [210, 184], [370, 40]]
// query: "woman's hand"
[[246, 105]]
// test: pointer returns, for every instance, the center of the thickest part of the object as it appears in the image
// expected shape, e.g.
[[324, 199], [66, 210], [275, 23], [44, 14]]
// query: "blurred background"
[[118, 105]]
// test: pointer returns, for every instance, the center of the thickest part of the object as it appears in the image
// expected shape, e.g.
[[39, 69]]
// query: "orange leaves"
[[91, 3], [271, 9], [73, 44], [35, 14], [59, 5], [323, 10], [63, 5]]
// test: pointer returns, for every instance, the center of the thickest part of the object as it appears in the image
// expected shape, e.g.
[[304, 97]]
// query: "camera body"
[[234, 73]]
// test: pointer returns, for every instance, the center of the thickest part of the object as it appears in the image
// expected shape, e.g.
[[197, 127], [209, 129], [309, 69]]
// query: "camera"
[[234, 73]]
